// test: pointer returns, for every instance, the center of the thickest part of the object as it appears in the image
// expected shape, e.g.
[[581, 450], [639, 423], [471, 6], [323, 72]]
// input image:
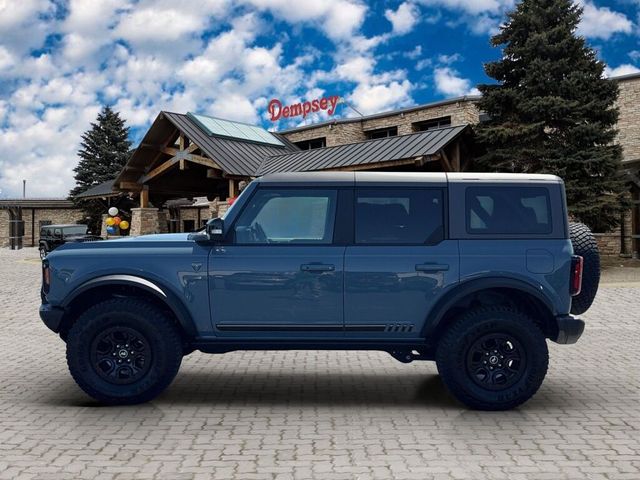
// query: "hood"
[[143, 241]]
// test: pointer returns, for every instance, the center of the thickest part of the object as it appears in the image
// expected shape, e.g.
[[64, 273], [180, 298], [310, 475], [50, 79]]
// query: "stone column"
[[4, 228], [163, 218], [144, 221], [103, 227]]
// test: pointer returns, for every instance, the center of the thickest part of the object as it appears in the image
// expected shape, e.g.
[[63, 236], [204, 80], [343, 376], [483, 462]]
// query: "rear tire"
[[123, 351], [492, 358]]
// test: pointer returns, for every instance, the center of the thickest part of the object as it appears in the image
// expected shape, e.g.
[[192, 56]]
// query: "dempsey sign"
[[277, 111]]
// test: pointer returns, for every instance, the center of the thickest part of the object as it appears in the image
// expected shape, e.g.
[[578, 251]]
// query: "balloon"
[[113, 211], [116, 220], [109, 221], [124, 225], [112, 230]]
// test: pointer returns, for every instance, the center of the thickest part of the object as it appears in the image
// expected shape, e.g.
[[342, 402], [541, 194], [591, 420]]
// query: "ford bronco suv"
[[474, 271]]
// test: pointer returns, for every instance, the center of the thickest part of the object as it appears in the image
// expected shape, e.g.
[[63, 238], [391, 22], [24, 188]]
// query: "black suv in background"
[[52, 236]]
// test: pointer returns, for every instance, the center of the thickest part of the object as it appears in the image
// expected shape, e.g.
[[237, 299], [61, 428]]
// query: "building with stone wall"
[[35, 213], [455, 111]]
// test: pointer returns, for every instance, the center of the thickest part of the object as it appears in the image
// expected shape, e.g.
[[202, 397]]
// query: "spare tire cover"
[[585, 245]]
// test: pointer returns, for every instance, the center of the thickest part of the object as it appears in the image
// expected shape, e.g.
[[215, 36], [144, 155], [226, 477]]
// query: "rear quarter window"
[[508, 210]]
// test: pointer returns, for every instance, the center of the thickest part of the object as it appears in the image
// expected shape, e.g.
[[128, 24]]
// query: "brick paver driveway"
[[325, 415]]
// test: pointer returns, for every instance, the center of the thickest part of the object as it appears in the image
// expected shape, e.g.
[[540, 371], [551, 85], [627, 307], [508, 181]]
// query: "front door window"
[[289, 217]]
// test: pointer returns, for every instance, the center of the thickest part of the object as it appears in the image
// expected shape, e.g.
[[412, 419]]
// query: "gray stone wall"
[[340, 133], [4, 228], [144, 221], [629, 121], [53, 215]]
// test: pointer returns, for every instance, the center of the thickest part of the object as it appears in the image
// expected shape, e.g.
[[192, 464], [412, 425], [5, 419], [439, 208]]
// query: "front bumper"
[[51, 316], [569, 329]]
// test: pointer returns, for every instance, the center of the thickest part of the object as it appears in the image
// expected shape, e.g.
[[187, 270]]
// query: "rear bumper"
[[51, 316], [569, 329]]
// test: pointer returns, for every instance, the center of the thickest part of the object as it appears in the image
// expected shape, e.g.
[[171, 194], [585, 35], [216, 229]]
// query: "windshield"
[[235, 202], [76, 230]]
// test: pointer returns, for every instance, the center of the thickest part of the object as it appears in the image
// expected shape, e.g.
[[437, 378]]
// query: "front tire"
[[43, 251], [123, 351], [492, 358]]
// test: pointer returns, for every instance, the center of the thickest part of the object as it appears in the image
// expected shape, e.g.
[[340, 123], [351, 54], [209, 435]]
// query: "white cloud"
[[449, 82], [377, 98], [404, 18], [602, 22], [473, 7], [339, 19], [620, 70]]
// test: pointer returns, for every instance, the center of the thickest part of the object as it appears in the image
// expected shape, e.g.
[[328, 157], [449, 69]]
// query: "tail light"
[[46, 276], [577, 266]]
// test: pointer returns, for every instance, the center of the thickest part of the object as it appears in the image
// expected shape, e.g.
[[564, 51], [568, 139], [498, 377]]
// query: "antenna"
[[24, 189], [342, 100]]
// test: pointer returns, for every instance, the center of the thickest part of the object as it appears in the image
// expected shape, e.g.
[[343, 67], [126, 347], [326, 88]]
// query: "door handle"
[[432, 267], [317, 267]]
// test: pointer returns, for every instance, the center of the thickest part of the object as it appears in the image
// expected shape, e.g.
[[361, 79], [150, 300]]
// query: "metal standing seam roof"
[[104, 189], [235, 157], [379, 150]]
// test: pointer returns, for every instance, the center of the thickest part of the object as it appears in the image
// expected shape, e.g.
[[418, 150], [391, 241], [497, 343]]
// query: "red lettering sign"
[[277, 110]]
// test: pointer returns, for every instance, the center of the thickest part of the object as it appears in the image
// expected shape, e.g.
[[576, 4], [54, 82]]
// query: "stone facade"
[[144, 221], [629, 105], [461, 111], [4, 228], [33, 218]]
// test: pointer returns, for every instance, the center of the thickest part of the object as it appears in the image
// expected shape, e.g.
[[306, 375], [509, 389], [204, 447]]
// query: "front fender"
[[162, 292]]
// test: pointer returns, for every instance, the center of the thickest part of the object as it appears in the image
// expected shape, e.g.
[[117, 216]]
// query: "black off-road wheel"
[[492, 358], [585, 245], [123, 351]]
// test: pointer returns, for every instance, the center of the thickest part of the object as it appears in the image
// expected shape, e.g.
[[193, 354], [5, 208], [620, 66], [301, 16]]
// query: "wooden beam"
[[159, 169], [199, 159], [456, 157], [130, 186], [232, 188], [445, 161], [144, 197], [181, 141]]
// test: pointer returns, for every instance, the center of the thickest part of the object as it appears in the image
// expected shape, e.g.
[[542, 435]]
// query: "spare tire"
[[585, 245]]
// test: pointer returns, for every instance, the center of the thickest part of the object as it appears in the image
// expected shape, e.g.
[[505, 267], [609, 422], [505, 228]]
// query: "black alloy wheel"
[[121, 355], [496, 361]]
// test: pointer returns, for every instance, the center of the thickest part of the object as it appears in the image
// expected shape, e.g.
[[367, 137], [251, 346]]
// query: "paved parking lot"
[[324, 415]]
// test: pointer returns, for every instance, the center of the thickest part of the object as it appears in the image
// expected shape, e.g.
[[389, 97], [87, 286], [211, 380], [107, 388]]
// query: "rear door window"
[[399, 216], [508, 210]]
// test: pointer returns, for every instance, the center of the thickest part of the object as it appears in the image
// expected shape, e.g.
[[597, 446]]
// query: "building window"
[[382, 133], [431, 124], [189, 226], [312, 143]]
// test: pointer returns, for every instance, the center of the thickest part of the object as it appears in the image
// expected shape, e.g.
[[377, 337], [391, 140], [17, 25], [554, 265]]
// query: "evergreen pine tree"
[[103, 153], [552, 111]]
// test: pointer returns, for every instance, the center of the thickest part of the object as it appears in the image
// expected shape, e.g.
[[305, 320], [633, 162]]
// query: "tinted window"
[[287, 216], [79, 230], [508, 210], [399, 217]]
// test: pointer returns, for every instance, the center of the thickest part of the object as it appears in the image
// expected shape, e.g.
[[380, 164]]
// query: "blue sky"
[[61, 60]]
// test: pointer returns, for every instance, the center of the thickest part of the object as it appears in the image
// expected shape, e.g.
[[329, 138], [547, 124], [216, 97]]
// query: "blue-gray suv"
[[474, 271]]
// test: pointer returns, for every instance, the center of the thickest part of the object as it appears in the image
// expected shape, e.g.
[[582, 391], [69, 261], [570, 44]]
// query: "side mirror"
[[215, 229]]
